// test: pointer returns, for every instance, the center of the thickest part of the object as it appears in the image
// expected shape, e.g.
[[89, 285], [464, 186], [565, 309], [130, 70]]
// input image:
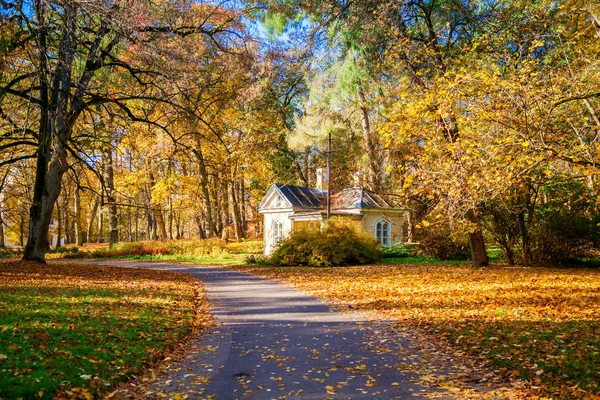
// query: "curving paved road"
[[275, 342]]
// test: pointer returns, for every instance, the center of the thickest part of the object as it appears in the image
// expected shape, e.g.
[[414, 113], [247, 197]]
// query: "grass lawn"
[[71, 330], [537, 325]]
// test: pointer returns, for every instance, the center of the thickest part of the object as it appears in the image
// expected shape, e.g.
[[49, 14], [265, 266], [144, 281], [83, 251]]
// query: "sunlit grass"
[[80, 329]]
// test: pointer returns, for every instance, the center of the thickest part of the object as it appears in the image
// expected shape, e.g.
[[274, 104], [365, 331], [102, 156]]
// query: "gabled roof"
[[302, 196], [357, 197], [311, 198], [293, 196]]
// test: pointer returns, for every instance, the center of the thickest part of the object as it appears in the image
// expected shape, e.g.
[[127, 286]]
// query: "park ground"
[[538, 328]]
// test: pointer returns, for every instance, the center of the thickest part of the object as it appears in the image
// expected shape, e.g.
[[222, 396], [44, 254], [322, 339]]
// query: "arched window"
[[382, 232], [277, 231]]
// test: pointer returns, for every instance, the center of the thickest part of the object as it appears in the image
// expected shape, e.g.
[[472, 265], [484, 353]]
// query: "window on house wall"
[[277, 231], [382, 232]]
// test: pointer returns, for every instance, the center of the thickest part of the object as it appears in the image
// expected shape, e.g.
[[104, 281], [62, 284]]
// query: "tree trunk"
[[410, 227], [243, 210], [46, 191], [92, 220], [129, 224], [201, 231], [170, 218], [159, 230], [204, 186], [370, 145], [22, 230], [77, 211], [66, 217], [137, 224], [476, 242], [2, 241], [59, 226], [99, 238], [526, 248], [235, 209], [113, 232], [54, 122]]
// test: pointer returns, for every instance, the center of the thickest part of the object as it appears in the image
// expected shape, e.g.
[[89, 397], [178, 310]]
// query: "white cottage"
[[287, 208]]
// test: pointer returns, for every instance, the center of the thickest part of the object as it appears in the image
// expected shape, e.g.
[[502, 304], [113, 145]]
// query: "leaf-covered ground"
[[538, 326], [71, 330]]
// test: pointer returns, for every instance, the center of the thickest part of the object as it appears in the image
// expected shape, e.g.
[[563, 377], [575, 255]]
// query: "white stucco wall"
[[269, 219]]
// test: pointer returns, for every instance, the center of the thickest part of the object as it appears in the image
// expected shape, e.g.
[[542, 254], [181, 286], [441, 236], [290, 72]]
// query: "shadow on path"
[[275, 342]]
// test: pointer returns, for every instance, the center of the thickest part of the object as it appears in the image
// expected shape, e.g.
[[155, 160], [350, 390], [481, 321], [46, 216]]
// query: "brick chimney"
[[322, 180]]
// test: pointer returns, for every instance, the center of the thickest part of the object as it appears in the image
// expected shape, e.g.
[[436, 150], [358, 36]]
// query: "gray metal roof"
[[357, 197], [302, 196], [350, 198]]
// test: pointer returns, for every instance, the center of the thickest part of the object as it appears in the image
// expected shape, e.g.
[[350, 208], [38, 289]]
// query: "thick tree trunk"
[[54, 122], [476, 242], [161, 230], [46, 191]]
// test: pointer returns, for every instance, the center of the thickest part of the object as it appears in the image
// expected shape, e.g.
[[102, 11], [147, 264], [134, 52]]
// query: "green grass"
[[217, 259], [81, 329]]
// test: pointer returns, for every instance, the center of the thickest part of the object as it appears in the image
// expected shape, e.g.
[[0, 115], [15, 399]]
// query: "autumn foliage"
[[336, 244]]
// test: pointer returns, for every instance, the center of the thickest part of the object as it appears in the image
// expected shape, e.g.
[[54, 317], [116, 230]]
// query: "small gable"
[[274, 200], [287, 196]]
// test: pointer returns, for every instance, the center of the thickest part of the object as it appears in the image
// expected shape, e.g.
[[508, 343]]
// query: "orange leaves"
[[536, 326]]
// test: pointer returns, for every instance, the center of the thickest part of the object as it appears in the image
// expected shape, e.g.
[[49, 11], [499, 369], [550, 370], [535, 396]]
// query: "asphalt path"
[[275, 342]]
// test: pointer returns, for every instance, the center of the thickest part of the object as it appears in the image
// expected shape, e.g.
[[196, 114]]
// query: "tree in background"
[[72, 50]]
